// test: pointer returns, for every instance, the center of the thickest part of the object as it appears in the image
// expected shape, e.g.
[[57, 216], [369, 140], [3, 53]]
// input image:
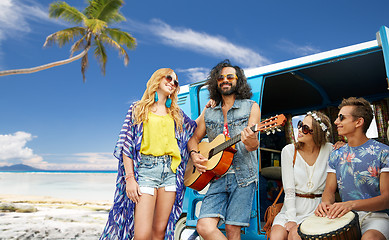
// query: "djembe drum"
[[343, 228]]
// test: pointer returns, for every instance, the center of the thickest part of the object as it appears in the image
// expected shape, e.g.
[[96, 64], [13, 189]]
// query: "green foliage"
[[105, 10], [93, 31], [65, 12]]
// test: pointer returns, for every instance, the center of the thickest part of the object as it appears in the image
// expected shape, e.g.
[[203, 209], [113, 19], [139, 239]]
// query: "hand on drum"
[[335, 210], [339, 209], [322, 209]]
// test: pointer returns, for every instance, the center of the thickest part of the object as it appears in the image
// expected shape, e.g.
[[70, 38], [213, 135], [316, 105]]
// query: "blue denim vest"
[[245, 163]]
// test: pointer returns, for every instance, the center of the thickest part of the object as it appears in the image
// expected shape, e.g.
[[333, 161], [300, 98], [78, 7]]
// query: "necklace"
[[310, 184]]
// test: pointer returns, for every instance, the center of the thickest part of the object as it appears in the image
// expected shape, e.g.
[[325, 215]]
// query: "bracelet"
[[129, 176], [190, 153]]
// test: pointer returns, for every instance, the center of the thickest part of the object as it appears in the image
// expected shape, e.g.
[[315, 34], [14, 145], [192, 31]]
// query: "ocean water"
[[82, 186]]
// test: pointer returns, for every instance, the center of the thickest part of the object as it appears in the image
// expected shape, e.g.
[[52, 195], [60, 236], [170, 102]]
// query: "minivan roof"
[[320, 80], [323, 79]]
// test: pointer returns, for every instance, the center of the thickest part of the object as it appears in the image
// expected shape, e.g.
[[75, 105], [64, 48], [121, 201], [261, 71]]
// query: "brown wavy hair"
[[142, 107], [243, 89], [319, 136]]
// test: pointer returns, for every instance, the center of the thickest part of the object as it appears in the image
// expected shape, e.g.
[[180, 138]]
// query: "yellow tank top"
[[159, 138]]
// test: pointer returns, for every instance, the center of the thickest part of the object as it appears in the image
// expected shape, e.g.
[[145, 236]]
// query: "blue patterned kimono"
[[120, 223]]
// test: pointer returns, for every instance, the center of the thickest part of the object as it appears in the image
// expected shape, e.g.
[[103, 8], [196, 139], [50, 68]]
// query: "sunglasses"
[[230, 77], [341, 116], [169, 78], [304, 128]]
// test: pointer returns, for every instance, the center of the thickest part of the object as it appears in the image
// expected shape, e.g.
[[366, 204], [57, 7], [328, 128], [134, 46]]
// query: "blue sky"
[[52, 120]]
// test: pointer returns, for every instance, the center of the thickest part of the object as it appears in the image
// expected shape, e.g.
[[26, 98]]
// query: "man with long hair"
[[229, 198]]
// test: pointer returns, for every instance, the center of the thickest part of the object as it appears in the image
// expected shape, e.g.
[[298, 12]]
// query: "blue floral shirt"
[[120, 223], [358, 169]]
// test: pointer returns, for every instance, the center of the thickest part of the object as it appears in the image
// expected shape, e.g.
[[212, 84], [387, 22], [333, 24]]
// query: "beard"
[[230, 91]]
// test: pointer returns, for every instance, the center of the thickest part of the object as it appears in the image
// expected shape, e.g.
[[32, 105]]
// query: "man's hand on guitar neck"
[[250, 138], [199, 161]]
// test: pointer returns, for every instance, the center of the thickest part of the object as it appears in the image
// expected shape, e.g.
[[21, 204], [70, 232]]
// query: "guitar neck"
[[232, 141], [269, 125]]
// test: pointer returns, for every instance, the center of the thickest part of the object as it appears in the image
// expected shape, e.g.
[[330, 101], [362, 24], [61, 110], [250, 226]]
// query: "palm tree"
[[93, 33]]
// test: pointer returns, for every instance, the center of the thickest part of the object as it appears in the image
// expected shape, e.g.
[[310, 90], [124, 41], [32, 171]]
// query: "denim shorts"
[[155, 172], [228, 202]]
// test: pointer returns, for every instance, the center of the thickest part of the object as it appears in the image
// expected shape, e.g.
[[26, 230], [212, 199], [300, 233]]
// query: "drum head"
[[314, 225]]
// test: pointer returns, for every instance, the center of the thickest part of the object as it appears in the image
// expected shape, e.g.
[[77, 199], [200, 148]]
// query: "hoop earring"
[[156, 97], [168, 103]]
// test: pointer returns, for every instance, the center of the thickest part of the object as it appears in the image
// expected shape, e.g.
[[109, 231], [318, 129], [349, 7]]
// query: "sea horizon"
[[88, 185], [59, 171], [20, 167]]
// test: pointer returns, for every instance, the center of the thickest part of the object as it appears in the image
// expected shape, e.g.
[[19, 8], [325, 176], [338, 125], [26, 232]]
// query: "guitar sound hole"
[[194, 169], [210, 154]]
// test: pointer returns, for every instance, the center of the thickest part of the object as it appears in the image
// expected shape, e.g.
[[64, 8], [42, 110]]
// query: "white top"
[[296, 180]]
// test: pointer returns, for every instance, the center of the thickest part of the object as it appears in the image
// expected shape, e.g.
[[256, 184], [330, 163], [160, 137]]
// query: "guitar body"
[[220, 153], [217, 165]]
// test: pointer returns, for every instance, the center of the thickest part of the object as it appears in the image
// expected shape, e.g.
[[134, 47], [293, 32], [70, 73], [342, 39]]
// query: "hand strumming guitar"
[[198, 161]]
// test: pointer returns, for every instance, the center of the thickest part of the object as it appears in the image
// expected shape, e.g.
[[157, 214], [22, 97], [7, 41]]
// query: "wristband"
[[190, 153]]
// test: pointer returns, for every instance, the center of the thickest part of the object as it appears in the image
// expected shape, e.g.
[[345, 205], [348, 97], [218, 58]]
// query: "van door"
[[383, 41]]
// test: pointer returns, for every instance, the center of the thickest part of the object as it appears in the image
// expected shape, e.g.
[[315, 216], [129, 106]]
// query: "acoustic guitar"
[[220, 153]]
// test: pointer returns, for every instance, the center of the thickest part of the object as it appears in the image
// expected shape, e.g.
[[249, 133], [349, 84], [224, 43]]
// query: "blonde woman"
[[304, 182], [152, 158]]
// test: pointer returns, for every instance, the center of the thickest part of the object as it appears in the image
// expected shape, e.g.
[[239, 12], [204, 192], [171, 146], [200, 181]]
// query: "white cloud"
[[193, 74], [204, 43], [201, 42], [14, 16], [13, 150], [82, 161], [97, 160], [297, 50]]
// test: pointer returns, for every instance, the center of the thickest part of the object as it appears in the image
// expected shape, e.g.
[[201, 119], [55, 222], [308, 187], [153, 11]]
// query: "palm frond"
[[105, 10], [123, 38], [122, 52], [96, 26], [78, 45], [64, 36], [64, 11], [100, 54]]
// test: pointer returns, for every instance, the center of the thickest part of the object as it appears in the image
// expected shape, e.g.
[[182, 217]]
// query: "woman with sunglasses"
[[152, 155], [305, 180]]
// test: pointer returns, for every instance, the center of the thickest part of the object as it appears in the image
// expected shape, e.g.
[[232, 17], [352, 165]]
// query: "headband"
[[322, 125]]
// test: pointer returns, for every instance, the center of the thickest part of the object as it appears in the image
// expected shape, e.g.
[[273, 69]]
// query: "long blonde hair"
[[142, 107]]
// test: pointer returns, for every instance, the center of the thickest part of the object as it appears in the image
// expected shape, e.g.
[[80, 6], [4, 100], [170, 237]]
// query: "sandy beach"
[[37, 217]]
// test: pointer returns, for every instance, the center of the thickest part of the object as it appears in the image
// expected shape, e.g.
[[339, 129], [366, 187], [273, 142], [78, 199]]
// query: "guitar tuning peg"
[[278, 129], [267, 132], [273, 131]]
